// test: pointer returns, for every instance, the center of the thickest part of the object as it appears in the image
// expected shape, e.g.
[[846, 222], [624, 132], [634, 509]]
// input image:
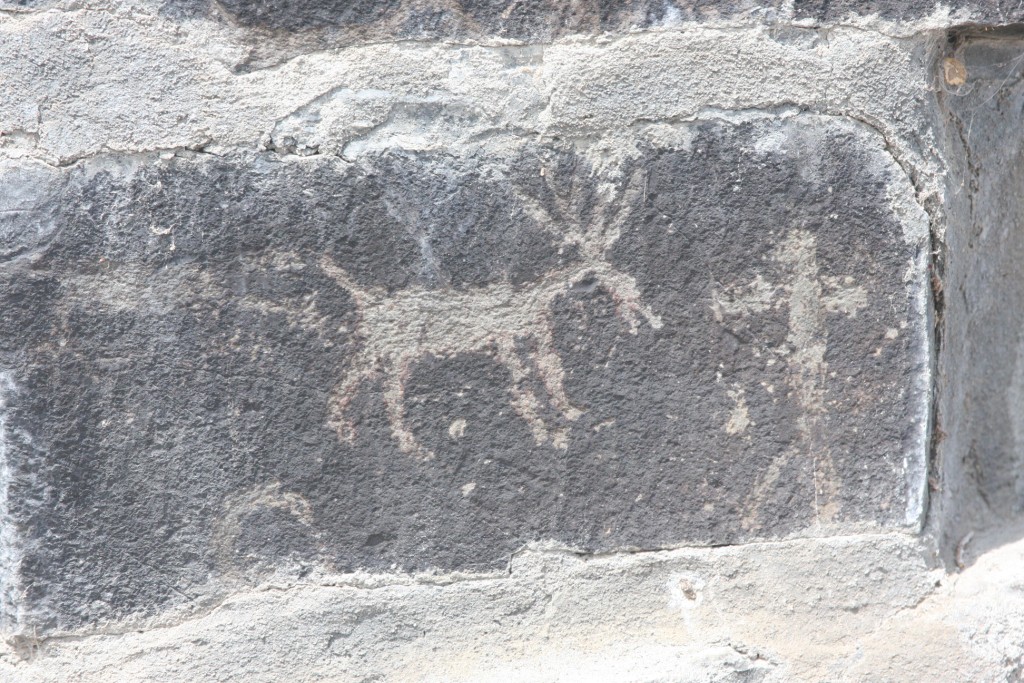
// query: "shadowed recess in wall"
[[981, 416], [220, 367]]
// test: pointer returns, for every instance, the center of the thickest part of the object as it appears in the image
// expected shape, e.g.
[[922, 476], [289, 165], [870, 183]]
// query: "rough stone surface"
[[424, 362], [452, 340], [543, 20], [982, 405], [847, 609], [154, 85], [272, 31]]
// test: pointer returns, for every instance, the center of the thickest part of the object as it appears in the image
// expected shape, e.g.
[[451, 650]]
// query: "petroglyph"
[[809, 297], [270, 497], [399, 328], [739, 418]]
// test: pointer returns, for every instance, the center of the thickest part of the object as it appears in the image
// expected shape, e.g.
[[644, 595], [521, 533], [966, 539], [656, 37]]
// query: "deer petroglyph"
[[398, 328]]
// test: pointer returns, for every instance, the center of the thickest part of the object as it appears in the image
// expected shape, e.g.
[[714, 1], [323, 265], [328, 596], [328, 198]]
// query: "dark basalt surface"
[[981, 461], [173, 343], [979, 11], [540, 20], [544, 20]]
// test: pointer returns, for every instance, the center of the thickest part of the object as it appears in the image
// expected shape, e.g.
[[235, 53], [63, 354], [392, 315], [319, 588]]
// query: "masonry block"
[[547, 19], [215, 367]]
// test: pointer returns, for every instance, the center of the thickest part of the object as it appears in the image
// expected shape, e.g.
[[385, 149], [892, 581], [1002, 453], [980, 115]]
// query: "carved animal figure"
[[401, 327]]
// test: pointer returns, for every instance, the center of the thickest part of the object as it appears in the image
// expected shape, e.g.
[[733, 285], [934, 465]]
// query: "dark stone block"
[[980, 11], [545, 20], [215, 367], [980, 459], [426, 18]]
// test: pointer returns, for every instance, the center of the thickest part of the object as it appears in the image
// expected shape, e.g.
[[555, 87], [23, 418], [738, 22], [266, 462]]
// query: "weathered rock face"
[[539, 20], [424, 361], [498, 340]]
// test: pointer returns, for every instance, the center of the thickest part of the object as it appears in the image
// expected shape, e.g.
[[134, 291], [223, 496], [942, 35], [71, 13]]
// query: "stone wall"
[[410, 340], [980, 380]]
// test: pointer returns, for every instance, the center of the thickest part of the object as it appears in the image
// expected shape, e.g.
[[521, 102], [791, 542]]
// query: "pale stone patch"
[[457, 429], [739, 419]]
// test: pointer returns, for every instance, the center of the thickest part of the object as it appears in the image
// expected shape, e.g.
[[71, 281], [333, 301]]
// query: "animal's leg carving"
[[362, 296], [549, 364], [395, 375], [524, 401], [339, 419], [629, 309], [763, 486]]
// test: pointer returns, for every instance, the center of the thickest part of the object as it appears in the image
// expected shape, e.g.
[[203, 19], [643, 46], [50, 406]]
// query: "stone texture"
[[956, 11], [980, 415], [391, 341], [275, 29], [216, 367], [154, 85], [790, 611], [545, 20]]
